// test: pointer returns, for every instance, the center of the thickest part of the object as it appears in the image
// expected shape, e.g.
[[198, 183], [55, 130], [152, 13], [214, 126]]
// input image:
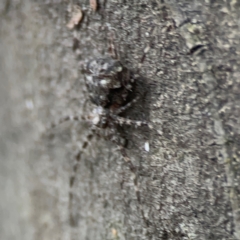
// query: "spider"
[[109, 86]]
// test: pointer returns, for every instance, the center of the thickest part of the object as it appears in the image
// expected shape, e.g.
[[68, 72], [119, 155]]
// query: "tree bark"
[[186, 55]]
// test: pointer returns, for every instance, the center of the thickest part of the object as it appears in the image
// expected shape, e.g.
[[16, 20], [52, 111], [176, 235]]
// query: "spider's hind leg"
[[73, 220], [134, 171], [78, 155], [125, 121]]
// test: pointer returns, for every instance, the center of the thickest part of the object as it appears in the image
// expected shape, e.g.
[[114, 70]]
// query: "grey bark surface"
[[187, 56]]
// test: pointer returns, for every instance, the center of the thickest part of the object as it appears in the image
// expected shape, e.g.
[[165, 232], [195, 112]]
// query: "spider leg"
[[128, 105], [79, 154], [112, 50], [133, 169], [125, 121], [66, 119], [121, 120], [85, 143]]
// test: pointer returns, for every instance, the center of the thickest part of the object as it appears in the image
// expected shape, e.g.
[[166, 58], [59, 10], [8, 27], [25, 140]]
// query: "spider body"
[[109, 85]]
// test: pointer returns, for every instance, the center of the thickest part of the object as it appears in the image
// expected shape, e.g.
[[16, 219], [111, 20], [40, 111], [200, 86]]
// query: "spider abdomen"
[[108, 81]]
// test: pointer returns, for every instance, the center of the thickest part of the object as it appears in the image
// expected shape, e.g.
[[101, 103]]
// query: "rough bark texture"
[[187, 56]]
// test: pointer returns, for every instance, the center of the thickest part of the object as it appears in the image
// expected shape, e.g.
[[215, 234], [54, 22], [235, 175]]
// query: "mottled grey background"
[[187, 56]]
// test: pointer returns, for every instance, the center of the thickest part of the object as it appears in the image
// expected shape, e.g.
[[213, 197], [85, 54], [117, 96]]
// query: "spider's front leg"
[[66, 119], [125, 121], [125, 107]]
